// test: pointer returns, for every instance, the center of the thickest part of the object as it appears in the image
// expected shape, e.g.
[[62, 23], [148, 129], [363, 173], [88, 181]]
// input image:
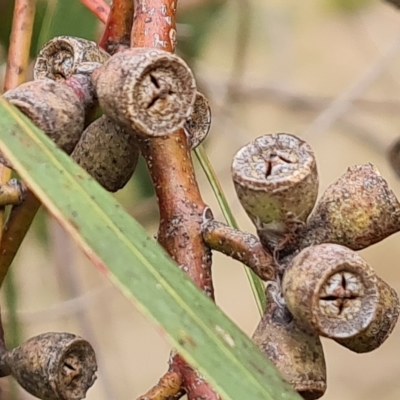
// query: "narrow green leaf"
[[138, 266], [256, 284]]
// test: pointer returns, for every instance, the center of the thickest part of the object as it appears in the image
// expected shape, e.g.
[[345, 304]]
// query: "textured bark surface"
[[241, 246], [169, 160]]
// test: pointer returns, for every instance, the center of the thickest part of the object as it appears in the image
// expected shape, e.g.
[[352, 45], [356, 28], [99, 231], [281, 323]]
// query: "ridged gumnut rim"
[[197, 126], [62, 56], [73, 383], [331, 290], [275, 175], [150, 91]]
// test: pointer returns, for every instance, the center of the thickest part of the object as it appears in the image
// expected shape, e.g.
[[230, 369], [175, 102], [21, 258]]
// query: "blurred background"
[[326, 70]]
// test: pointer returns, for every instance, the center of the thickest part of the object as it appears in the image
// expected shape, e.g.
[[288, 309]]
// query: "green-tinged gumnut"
[[54, 366], [53, 107], [331, 291], [296, 353], [356, 211], [381, 326], [64, 56], [276, 180], [108, 153]]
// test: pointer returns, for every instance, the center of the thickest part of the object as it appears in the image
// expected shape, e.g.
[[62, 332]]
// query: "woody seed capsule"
[[296, 353], [356, 211], [53, 107], [108, 153], [150, 92], [381, 326], [64, 56], [198, 124], [54, 366], [276, 180], [331, 290]]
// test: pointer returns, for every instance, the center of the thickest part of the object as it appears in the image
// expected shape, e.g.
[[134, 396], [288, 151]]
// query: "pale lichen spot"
[[228, 338], [157, 42], [172, 37]]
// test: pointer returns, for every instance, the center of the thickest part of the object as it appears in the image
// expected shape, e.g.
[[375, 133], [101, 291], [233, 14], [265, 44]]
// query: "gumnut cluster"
[[96, 108], [319, 285], [315, 283], [142, 93]]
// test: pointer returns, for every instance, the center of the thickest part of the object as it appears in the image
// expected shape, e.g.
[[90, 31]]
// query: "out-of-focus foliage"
[[53, 18], [199, 20], [348, 5]]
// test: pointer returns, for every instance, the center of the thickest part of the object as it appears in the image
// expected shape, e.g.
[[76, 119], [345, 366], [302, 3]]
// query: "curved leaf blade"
[[138, 266]]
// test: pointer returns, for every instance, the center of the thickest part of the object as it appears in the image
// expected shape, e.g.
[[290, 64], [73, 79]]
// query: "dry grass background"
[[328, 76]]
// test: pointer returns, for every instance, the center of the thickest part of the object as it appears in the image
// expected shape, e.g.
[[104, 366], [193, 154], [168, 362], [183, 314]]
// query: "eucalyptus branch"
[[118, 27], [241, 246], [18, 59]]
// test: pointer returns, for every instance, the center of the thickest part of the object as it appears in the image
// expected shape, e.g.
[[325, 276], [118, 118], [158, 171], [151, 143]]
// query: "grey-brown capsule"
[[108, 153], [198, 124], [53, 107], [54, 366], [381, 326], [356, 211], [276, 180], [394, 157], [150, 91], [297, 354], [64, 56], [331, 290]]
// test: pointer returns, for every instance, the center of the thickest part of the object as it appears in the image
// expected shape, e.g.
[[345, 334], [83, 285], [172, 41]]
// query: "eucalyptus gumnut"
[[296, 353], [108, 153], [198, 124], [53, 107], [149, 91], [356, 211], [54, 366], [381, 326], [331, 290], [276, 180], [64, 56], [394, 157]]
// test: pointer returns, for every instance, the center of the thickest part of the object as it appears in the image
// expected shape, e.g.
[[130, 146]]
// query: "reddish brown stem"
[[167, 387], [20, 42], [118, 28], [21, 217], [18, 59], [170, 164], [99, 8], [241, 246]]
